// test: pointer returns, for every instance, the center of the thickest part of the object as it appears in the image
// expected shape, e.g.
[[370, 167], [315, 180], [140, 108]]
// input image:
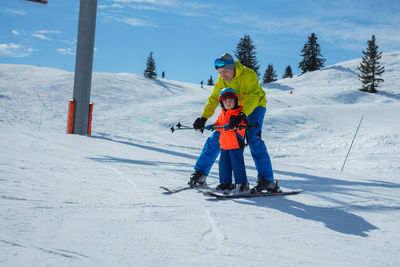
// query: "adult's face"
[[226, 74]]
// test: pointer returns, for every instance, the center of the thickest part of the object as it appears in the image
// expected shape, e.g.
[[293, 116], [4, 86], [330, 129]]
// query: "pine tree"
[[246, 54], [210, 81], [150, 72], [288, 73], [269, 74], [370, 68], [312, 57]]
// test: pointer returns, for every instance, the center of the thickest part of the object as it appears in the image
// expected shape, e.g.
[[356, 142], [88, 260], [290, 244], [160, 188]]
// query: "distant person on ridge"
[[251, 97]]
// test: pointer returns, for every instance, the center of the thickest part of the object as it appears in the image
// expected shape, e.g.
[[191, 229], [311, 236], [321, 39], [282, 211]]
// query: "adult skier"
[[251, 97]]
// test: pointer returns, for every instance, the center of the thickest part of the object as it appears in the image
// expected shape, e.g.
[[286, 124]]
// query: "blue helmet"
[[227, 93]]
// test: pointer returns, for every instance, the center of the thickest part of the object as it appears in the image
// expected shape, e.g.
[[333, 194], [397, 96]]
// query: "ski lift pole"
[[83, 65], [348, 152]]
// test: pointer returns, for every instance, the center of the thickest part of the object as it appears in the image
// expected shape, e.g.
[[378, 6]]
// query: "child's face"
[[229, 103]]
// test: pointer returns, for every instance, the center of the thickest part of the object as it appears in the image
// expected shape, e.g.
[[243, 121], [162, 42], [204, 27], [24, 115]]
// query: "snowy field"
[[70, 200]]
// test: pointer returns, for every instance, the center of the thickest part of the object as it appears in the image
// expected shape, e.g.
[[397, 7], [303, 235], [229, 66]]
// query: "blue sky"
[[186, 36]]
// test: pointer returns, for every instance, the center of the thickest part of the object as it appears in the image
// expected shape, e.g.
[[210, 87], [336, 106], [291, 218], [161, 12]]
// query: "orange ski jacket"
[[230, 139]]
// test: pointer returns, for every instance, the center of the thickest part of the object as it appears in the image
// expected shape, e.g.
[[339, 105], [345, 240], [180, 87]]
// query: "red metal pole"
[[70, 121], [90, 118]]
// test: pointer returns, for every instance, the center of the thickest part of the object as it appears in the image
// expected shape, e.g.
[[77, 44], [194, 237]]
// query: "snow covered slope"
[[69, 200]]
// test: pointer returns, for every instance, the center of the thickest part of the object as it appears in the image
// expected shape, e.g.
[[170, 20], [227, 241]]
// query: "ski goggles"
[[219, 63], [227, 95]]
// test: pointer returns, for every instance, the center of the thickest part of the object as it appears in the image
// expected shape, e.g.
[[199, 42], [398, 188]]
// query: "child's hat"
[[227, 93]]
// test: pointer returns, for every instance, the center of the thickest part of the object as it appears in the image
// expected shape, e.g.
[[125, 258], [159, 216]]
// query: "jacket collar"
[[232, 111]]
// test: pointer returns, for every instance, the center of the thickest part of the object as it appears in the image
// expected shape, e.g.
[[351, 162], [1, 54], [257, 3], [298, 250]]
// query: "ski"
[[182, 188], [246, 195]]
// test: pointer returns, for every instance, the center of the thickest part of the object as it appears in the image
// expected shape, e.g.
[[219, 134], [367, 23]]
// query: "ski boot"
[[197, 179], [225, 187], [265, 185], [241, 188]]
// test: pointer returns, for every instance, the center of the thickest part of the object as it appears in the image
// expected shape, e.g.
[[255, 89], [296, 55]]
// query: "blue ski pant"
[[232, 160], [257, 147]]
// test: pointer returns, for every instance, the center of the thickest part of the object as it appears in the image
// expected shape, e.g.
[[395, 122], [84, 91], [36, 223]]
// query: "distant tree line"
[[312, 59], [311, 53]]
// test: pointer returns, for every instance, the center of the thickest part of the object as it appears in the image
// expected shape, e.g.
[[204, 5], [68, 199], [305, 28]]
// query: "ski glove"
[[199, 124], [234, 121]]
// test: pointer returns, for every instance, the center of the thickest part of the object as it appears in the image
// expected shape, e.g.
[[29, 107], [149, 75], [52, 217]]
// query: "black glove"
[[199, 123], [234, 121]]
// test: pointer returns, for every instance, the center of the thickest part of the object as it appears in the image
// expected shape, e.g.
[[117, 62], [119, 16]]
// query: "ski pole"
[[179, 126], [348, 152]]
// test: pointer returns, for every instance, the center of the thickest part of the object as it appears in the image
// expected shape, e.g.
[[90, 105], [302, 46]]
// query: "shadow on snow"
[[136, 162], [334, 218], [148, 147]]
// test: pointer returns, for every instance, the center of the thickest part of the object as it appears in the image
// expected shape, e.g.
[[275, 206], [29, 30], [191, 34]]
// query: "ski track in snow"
[[214, 229], [131, 183], [58, 252]]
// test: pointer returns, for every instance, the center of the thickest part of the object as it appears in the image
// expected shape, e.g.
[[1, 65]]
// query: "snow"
[[70, 200]]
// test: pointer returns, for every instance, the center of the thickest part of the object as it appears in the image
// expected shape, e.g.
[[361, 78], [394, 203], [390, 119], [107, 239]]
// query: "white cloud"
[[15, 50], [110, 6], [15, 32], [66, 51], [169, 3], [134, 22], [183, 8], [143, 1], [11, 11], [40, 36], [346, 29], [49, 32]]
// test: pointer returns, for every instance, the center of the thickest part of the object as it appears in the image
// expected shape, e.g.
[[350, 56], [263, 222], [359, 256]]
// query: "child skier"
[[232, 142]]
